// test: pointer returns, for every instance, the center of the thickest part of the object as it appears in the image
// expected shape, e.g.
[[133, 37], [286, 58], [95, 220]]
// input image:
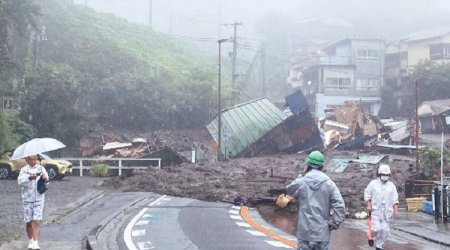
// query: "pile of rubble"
[[261, 179], [348, 127], [262, 145], [173, 147]]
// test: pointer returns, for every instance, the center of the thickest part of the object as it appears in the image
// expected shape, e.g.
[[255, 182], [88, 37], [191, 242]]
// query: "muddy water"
[[344, 238]]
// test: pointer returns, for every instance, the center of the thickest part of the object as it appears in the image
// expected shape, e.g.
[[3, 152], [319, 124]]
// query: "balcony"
[[327, 60]]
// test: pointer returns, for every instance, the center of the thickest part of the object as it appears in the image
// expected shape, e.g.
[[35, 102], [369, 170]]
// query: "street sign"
[[225, 132]]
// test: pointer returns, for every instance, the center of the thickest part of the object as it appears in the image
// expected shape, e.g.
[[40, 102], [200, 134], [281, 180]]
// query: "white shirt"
[[383, 196], [29, 188]]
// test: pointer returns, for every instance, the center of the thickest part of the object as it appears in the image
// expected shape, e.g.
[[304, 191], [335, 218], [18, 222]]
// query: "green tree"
[[430, 162], [434, 82], [16, 17], [50, 103], [433, 79], [13, 132]]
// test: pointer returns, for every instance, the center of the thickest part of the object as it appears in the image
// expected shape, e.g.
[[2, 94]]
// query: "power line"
[[136, 30], [199, 39]]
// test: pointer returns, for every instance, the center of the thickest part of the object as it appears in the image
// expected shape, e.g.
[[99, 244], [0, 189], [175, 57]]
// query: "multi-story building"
[[351, 69], [403, 56]]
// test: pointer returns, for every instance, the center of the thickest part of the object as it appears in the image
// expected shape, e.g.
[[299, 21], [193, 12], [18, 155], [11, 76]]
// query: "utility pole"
[[263, 68], [290, 52], [219, 28], [150, 13], [219, 117], [234, 73], [416, 137]]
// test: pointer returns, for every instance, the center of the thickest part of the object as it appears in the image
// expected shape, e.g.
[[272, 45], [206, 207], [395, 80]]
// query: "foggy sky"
[[201, 17]]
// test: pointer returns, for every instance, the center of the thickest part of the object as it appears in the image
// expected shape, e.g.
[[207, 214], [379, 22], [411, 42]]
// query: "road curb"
[[76, 205], [425, 237], [91, 238], [244, 211]]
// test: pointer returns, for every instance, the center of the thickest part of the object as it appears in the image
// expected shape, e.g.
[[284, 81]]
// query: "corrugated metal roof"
[[245, 123], [350, 39], [430, 108], [427, 34]]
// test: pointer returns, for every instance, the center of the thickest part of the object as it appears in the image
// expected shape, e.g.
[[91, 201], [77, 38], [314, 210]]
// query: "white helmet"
[[384, 169]]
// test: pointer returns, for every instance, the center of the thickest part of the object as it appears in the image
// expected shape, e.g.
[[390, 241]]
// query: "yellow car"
[[56, 169]]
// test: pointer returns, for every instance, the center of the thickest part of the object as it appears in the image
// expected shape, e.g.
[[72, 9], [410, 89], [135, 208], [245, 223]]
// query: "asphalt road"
[[181, 223], [61, 198], [77, 207]]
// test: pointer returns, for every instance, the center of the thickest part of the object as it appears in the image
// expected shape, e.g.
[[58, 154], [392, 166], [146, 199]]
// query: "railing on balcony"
[[327, 60]]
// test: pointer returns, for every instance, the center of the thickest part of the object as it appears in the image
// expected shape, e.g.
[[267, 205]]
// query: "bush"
[[430, 162], [100, 170]]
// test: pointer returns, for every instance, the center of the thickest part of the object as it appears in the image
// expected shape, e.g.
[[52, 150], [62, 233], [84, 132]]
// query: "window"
[[7, 104], [334, 83], [439, 51], [366, 84], [427, 124], [366, 54]]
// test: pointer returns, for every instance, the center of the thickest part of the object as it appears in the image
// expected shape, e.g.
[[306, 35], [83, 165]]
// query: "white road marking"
[[149, 217], [277, 243], [142, 222], [243, 224], [145, 245], [255, 232], [137, 233], [233, 212], [166, 198], [127, 233], [235, 217]]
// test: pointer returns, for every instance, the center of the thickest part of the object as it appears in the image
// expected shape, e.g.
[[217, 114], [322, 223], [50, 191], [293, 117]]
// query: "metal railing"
[[84, 163]]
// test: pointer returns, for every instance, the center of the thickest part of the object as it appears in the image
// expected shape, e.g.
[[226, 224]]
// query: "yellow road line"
[[247, 218]]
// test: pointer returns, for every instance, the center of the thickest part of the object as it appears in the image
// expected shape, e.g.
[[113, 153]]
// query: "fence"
[[419, 188], [118, 163]]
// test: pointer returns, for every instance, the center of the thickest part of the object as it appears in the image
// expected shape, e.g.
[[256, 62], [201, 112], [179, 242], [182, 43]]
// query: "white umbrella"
[[36, 146]]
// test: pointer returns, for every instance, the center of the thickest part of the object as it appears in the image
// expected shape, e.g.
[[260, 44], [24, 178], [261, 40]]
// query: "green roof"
[[244, 124]]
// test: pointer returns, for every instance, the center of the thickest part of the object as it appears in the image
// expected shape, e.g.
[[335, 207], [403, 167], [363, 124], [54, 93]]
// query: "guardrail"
[[84, 163]]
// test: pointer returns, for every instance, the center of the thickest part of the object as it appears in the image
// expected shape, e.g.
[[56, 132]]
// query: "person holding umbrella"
[[32, 178], [32, 198]]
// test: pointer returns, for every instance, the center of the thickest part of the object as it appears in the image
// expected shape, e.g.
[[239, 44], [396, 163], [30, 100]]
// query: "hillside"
[[90, 71]]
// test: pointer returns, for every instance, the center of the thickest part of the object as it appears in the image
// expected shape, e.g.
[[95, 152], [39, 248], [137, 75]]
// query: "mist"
[[200, 18]]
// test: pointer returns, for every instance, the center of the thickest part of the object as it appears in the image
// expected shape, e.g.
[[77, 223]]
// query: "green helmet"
[[315, 158]]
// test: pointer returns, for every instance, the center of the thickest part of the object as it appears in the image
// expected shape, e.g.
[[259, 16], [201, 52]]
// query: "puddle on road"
[[347, 237]]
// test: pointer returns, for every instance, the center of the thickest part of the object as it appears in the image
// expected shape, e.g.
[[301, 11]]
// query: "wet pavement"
[[411, 231], [70, 190], [425, 226]]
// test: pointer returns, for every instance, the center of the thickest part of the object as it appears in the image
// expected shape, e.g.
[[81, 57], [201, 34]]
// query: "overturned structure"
[[258, 127]]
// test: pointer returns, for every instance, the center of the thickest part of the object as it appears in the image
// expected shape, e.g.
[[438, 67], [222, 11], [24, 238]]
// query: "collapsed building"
[[258, 127], [347, 127], [434, 116]]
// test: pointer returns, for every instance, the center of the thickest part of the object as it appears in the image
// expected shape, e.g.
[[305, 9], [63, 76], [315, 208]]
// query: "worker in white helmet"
[[382, 202]]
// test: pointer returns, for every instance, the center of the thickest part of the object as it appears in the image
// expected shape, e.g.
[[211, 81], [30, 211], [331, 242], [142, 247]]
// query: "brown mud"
[[252, 178]]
